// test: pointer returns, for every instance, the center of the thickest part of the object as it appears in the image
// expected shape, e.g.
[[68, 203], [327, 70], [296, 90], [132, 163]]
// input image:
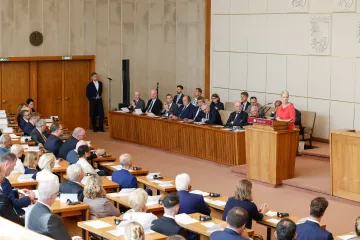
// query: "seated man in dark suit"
[[169, 106], [53, 142], [137, 102], [6, 208], [210, 116], [237, 118], [179, 95], [285, 230], [73, 185], [41, 219], [235, 229], [198, 115], [8, 162], [24, 118], [186, 111], [70, 143], [166, 224], [39, 134], [72, 157], [154, 105], [31, 124], [310, 229]]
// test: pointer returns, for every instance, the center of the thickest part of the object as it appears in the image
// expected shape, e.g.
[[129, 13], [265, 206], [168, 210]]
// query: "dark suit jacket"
[[40, 219], [173, 109], [247, 107], [140, 104], [189, 112], [124, 178], [53, 144], [72, 157], [91, 91], [214, 117], [168, 227], [241, 119], [7, 211], [198, 114], [13, 195], [175, 100], [156, 109], [227, 234], [218, 106], [192, 203], [22, 123], [31, 171], [67, 146], [28, 129], [72, 187], [36, 136], [312, 231]]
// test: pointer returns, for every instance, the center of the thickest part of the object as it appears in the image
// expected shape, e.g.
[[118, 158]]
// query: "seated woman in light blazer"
[[19, 152], [137, 201], [95, 197], [46, 164]]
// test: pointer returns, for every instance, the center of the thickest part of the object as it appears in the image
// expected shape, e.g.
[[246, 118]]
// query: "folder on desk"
[[8, 130]]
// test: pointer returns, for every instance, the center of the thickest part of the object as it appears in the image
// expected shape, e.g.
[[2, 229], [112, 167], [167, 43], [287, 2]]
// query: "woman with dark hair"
[[30, 104], [215, 102]]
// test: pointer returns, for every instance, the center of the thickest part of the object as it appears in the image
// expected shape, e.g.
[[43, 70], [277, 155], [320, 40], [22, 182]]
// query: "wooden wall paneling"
[[14, 85], [33, 84], [76, 78], [207, 47], [49, 88]]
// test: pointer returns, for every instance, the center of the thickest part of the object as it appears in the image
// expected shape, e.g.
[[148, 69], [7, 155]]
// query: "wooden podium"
[[270, 150], [345, 164]]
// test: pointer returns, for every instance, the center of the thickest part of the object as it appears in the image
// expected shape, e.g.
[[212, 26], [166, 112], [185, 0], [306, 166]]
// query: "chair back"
[[224, 115], [229, 106], [308, 119]]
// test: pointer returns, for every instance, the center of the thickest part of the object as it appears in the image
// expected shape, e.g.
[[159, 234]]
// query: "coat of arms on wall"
[[320, 35]]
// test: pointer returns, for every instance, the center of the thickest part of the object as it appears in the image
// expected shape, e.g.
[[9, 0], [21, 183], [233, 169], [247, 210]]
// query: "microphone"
[[109, 78]]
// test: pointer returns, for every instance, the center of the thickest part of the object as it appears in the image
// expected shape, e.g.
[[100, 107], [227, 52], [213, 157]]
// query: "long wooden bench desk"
[[218, 145], [348, 235], [104, 232], [13, 179], [155, 186], [108, 185], [111, 167]]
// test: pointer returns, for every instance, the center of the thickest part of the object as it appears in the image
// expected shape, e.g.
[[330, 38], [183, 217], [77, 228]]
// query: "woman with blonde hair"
[[134, 231], [243, 198], [31, 161], [95, 197], [137, 201], [286, 111], [46, 164], [19, 152]]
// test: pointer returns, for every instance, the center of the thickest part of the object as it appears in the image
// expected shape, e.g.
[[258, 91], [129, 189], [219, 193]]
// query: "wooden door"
[[15, 85], [49, 88], [76, 106]]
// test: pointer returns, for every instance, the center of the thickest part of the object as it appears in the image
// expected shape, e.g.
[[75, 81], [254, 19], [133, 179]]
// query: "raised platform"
[[320, 150]]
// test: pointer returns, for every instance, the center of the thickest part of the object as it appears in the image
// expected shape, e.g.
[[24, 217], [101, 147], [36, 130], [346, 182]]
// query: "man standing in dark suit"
[[31, 124], [75, 175], [38, 134], [53, 142], [285, 230], [244, 101], [186, 111], [137, 102], [41, 219], [169, 106], [237, 118], [154, 105], [166, 224], [178, 98], [93, 93], [70, 144], [210, 116], [235, 229], [310, 229]]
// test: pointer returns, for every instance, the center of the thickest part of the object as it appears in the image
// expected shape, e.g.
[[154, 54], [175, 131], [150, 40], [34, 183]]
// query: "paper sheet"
[[165, 185], [25, 178], [157, 181], [204, 194], [185, 219], [8, 130], [271, 214], [126, 191], [151, 175], [115, 194], [152, 200], [208, 224], [118, 232], [218, 203], [98, 224], [207, 200], [13, 136], [348, 237], [109, 177], [65, 196], [273, 220]]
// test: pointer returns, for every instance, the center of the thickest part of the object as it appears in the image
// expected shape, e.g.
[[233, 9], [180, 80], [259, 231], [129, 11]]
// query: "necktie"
[[207, 116], [182, 111], [196, 113], [237, 113], [177, 99], [151, 105]]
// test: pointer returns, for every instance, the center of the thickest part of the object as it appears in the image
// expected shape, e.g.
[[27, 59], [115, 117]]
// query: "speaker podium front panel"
[[270, 151]]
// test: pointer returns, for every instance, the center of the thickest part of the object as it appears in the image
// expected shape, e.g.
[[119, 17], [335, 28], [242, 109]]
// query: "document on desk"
[[109, 177], [218, 203], [348, 237], [157, 181], [117, 167], [126, 191], [185, 219], [25, 146], [71, 196], [152, 200], [273, 220], [32, 149], [204, 194], [271, 214], [208, 224], [166, 184], [13, 136], [25, 178], [151, 175], [98, 224], [8, 130]]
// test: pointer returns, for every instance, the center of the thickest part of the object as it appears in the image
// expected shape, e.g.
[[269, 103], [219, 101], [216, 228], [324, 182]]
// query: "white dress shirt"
[[19, 167], [151, 105], [168, 216], [85, 166], [145, 219], [47, 176], [96, 83]]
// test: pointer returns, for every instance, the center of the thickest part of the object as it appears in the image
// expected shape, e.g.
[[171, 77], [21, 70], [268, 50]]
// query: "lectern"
[[270, 150]]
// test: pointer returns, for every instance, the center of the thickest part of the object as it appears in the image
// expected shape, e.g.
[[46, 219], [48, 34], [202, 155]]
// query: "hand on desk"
[[264, 208], [188, 120]]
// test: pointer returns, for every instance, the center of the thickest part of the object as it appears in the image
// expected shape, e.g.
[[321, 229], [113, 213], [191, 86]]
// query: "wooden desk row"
[[217, 145]]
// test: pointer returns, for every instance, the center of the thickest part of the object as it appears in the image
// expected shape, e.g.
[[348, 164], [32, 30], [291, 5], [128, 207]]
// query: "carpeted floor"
[[209, 176], [319, 150]]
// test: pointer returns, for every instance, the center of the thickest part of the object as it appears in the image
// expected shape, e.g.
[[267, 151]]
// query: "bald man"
[[237, 118], [154, 105], [138, 103], [210, 116]]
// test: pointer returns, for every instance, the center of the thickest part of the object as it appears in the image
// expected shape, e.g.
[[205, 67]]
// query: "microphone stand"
[[157, 89], [109, 92]]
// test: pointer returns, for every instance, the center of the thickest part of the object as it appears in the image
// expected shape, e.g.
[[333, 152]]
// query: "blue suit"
[[312, 231], [53, 144], [189, 112], [72, 157], [175, 100], [31, 171], [227, 234], [192, 203], [22, 123], [217, 106], [13, 195], [28, 129], [124, 178]]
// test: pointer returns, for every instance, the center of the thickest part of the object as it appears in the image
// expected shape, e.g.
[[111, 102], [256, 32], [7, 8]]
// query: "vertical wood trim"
[[63, 90], [207, 47], [33, 82], [1, 69]]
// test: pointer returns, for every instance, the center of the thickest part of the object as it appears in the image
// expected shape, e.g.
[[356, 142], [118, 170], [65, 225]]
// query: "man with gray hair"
[[5, 144], [53, 142], [210, 116], [70, 144], [38, 134], [40, 218], [73, 185], [72, 157]]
